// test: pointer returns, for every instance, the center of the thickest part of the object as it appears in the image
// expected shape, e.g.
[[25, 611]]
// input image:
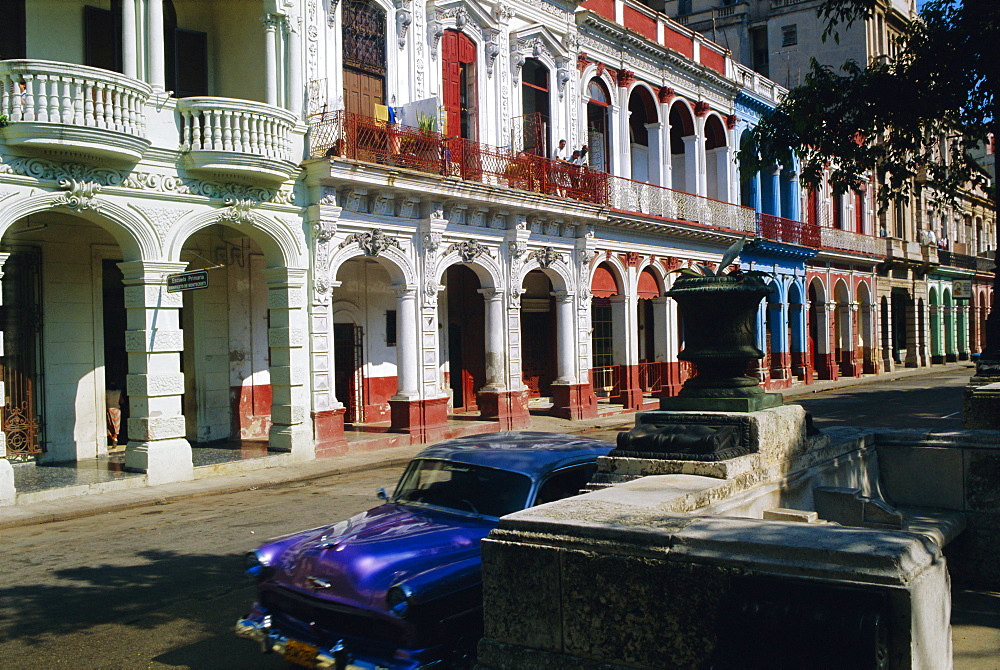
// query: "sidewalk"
[[276, 469]]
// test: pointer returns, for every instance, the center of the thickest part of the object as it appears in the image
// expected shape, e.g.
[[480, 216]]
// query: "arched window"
[[363, 36]]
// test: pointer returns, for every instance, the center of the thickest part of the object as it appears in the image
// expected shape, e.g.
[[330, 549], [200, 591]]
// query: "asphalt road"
[[160, 586], [155, 587]]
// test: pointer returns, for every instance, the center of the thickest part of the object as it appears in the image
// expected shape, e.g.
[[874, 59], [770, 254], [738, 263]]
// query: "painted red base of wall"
[[328, 428], [673, 380], [630, 396], [508, 408], [826, 367], [251, 411], [422, 420], [801, 368], [849, 365], [378, 390], [780, 374], [573, 401]]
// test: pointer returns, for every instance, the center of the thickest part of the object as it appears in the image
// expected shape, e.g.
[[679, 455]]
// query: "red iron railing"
[[606, 380], [367, 139], [651, 377], [780, 229]]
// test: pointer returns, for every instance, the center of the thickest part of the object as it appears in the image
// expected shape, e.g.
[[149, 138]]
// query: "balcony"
[[354, 137], [236, 139], [846, 240], [779, 229], [977, 263], [72, 111]]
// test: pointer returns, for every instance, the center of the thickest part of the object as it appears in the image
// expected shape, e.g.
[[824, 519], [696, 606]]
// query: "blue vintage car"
[[400, 586]]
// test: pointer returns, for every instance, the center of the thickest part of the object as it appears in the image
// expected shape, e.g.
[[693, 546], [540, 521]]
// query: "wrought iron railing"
[[651, 377], [606, 381], [954, 260], [780, 229], [367, 139], [845, 240], [634, 196]]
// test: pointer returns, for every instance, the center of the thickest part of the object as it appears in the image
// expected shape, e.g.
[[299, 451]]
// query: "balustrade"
[[240, 126], [74, 95]]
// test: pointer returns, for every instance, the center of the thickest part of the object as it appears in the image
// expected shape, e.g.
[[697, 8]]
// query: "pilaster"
[[153, 342]]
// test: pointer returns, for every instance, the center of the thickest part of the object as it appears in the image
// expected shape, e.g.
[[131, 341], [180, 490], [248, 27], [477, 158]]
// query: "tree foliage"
[[889, 118]]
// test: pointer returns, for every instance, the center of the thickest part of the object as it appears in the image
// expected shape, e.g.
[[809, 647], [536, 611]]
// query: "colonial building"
[[386, 239]]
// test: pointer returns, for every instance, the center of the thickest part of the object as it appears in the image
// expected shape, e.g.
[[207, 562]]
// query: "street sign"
[[961, 288], [187, 281]]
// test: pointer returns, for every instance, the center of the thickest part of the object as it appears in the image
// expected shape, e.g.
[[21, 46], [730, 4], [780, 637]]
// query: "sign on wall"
[[187, 281], [961, 288]]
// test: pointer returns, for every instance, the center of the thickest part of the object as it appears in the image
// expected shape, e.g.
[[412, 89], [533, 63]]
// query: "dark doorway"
[[348, 363], [115, 358], [597, 126], [466, 337], [102, 37], [21, 320], [538, 335], [900, 303]]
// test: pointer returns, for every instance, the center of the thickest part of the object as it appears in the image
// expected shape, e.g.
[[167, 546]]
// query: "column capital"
[[491, 294], [285, 277], [149, 272], [404, 292], [563, 296]]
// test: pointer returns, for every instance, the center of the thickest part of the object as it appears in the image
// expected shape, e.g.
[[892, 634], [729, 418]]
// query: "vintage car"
[[400, 586]]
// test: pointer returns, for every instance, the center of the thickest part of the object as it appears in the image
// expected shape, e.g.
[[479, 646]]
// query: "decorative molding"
[[731, 121], [469, 250], [625, 78], [563, 74], [81, 195], [161, 218], [516, 248], [582, 62], [372, 243], [328, 196], [331, 13], [404, 17], [701, 108], [545, 257], [503, 13], [322, 233], [237, 211], [492, 49], [666, 95]]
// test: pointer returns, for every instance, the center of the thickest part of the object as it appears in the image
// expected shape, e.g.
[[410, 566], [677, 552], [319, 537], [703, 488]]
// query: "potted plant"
[[719, 309]]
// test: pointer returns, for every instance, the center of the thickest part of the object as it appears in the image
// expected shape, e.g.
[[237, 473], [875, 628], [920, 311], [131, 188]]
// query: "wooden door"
[[459, 85]]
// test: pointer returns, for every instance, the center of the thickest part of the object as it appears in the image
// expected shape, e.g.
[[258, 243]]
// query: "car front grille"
[[338, 620]]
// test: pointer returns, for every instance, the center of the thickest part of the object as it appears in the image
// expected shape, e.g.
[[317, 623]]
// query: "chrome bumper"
[[258, 629]]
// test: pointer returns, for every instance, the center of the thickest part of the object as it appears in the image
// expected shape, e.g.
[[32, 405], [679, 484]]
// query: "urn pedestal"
[[719, 338]]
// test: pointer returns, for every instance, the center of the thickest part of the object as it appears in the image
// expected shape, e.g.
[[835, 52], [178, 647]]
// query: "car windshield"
[[463, 487]]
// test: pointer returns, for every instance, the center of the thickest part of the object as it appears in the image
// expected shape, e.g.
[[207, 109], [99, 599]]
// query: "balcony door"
[[363, 34], [12, 34], [459, 84], [102, 37]]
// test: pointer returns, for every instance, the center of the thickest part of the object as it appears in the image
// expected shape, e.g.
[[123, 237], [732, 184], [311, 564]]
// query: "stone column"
[[663, 343], [773, 204], [950, 339], [799, 347], [694, 181], [496, 401], [271, 24], [156, 56], [328, 410], [781, 359], [654, 132], [962, 330], [286, 337], [423, 419], [570, 398], [625, 350], [153, 342], [130, 44], [914, 336], [8, 495], [293, 68], [791, 201]]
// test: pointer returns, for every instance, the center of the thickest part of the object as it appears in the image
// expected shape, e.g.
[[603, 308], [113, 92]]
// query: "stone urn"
[[720, 312]]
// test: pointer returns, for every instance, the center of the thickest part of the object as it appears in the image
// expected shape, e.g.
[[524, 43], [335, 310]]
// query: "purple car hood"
[[355, 562]]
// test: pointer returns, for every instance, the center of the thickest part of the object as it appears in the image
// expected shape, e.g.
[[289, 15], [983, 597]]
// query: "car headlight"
[[398, 599], [255, 566]]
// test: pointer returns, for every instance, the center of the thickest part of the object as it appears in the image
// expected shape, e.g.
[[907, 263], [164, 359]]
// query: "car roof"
[[530, 453]]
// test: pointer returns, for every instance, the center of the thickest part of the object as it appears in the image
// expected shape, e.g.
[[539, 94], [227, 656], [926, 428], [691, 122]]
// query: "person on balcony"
[[560, 153]]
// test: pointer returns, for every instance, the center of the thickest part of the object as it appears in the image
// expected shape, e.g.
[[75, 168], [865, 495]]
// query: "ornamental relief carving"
[[469, 250], [545, 257], [161, 218], [81, 195], [237, 211], [371, 243]]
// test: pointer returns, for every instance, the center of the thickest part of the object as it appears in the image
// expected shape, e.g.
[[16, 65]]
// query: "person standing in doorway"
[[113, 401]]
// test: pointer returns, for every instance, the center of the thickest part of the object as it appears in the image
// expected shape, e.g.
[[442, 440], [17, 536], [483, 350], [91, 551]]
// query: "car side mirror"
[[382, 495]]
